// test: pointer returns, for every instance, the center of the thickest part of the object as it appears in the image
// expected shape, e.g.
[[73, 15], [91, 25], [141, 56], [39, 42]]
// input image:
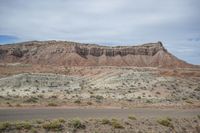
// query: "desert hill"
[[65, 53]]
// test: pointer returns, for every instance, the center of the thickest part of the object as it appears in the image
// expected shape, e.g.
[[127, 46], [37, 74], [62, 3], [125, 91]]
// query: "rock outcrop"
[[147, 49], [77, 54]]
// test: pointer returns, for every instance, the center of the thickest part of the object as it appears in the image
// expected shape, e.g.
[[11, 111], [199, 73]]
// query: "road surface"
[[69, 113]]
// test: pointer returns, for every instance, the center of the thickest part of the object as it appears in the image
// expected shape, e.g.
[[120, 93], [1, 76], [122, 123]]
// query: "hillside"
[[60, 73], [65, 53]]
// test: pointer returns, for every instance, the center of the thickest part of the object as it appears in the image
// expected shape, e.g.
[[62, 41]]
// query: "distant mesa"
[[64, 53]]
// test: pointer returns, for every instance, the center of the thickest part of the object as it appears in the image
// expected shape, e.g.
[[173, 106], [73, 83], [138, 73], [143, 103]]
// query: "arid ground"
[[127, 87], [82, 120], [55, 88], [116, 99]]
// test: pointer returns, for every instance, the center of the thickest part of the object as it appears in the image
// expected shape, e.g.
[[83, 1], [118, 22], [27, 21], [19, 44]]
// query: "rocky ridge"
[[76, 54]]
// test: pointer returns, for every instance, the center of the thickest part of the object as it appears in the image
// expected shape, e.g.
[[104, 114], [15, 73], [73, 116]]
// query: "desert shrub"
[[97, 97], [184, 98], [168, 118], [22, 125], [165, 122], [198, 116], [89, 103], [105, 121], [189, 101], [61, 120], [53, 125], [116, 124], [67, 91], [129, 100], [40, 96], [50, 90], [52, 104], [33, 130], [158, 92], [139, 97], [197, 89], [54, 97], [31, 100], [131, 117], [91, 92], [149, 101], [77, 101], [18, 105], [4, 126], [8, 103], [76, 124], [26, 90], [39, 121]]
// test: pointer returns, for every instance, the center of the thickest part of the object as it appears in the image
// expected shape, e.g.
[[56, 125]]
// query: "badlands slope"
[[60, 73]]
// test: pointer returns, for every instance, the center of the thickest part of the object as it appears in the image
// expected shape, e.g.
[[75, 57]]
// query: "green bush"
[[22, 125], [198, 116], [99, 97], [197, 89], [89, 103], [116, 124], [105, 121], [165, 122], [38, 121], [33, 130], [189, 101], [77, 101], [53, 125], [31, 100], [132, 117], [158, 93], [52, 104], [18, 105], [61, 120], [168, 118], [5, 125], [149, 101], [17, 125], [76, 124]]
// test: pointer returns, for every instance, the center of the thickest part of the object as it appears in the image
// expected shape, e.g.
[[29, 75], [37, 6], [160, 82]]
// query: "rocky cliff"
[[77, 54]]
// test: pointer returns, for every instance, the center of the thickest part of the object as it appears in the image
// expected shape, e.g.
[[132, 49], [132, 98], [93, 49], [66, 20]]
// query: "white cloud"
[[105, 21]]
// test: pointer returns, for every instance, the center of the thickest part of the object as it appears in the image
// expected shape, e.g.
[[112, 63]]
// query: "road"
[[68, 113]]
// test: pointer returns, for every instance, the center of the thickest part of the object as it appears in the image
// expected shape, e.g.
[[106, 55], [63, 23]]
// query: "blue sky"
[[110, 22]]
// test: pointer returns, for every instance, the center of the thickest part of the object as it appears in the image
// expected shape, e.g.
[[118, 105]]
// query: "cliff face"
[[148, 50], [76, 54]]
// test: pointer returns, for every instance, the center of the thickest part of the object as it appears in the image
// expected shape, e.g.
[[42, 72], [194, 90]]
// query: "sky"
[[176, 23]]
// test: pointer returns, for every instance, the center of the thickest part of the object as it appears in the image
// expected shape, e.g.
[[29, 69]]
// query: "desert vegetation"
[[93, 86], [101, 125]]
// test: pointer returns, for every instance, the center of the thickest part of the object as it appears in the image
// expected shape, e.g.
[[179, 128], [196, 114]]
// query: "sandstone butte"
[[64, 53]]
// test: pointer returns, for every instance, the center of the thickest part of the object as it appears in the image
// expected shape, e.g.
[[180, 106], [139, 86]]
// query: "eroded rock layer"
[[77, 54]]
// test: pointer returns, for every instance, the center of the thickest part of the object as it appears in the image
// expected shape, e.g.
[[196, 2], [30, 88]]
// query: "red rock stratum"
[[65, 53]]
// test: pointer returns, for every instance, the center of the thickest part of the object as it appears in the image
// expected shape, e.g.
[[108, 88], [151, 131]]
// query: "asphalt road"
[[68, 113]]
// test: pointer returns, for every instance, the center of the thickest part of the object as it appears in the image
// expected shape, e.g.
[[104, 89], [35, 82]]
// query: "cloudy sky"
[[110, 22]]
